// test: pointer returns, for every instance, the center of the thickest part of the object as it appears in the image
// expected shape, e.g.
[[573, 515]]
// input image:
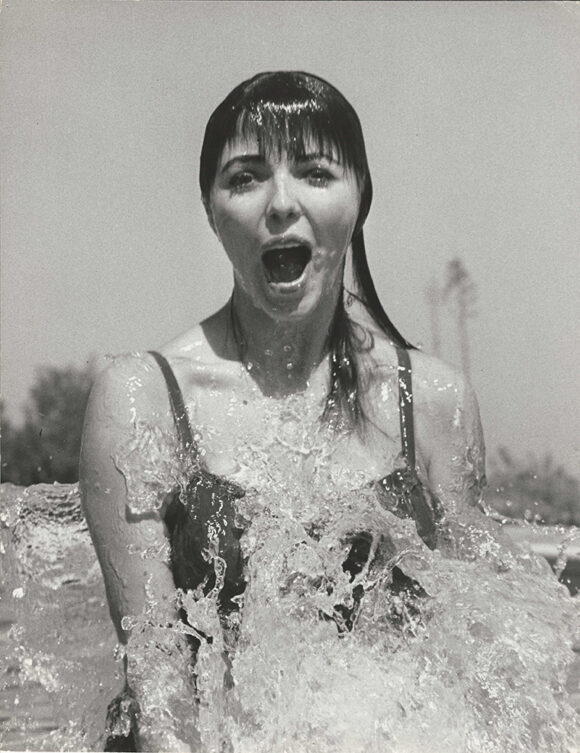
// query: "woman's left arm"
[[450, 441]]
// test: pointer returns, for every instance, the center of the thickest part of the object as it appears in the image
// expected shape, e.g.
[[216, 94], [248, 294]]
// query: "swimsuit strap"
[[177, 403], [406, 406]]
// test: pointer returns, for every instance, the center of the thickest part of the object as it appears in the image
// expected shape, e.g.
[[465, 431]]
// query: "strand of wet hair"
[[236, 332], [369, 297], [344, 395]]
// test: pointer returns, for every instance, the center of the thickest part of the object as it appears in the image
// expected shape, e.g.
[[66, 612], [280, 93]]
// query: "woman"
[[261, 462]]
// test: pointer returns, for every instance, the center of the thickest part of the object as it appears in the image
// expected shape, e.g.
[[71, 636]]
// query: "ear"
[[209, 214]]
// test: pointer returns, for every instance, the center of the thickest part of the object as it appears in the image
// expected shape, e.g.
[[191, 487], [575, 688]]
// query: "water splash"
[[479, 665], [468, 648], [55, 630], [471, 652]]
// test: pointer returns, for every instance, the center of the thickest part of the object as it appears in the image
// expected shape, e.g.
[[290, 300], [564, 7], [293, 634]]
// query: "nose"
[[283, 205]]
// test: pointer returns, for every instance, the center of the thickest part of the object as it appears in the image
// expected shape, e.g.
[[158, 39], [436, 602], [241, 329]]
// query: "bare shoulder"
[[439, 389], [126, 394], [130, 387], [448, 434]]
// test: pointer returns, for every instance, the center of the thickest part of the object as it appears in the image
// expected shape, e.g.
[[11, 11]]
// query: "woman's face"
[[285, 223]]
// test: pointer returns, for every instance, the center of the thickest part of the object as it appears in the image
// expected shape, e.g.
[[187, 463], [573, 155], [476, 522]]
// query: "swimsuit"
[[206, 508]]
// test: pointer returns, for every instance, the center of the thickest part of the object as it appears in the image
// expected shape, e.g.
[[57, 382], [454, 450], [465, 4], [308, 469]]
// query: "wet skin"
[[259, 202]]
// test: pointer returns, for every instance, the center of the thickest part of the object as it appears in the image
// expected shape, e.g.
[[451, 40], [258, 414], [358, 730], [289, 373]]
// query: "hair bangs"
[[295, 128], [287, 112]]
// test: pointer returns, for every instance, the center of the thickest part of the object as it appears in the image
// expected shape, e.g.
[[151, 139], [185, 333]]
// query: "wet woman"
[[256, 460]]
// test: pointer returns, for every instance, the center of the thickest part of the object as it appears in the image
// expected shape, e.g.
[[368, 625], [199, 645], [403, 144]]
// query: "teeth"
[[286, 264]]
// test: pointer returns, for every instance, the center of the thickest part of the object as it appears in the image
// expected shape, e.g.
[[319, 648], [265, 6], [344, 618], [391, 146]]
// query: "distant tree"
[[460, 289], [434, 295], [45, 448], [535, 490]]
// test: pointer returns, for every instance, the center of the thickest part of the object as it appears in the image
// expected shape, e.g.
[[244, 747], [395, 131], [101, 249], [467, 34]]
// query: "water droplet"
[[127, 623]]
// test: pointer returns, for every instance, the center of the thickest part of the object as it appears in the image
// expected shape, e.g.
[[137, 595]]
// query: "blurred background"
[[471, 118]]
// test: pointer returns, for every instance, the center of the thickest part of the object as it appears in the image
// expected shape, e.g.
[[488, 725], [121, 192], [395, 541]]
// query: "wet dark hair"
[[287, 111]]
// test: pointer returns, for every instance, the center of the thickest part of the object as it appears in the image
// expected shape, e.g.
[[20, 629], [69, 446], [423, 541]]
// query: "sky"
[[471, 118]]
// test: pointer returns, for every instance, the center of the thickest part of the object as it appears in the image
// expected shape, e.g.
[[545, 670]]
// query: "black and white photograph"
[[290, 366]]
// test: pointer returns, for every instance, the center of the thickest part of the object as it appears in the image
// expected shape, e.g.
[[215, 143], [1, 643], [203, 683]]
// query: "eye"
[[318, 176], [241, 181]]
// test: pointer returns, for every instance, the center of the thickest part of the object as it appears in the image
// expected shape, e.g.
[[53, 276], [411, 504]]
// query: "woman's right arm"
[[132, 548]]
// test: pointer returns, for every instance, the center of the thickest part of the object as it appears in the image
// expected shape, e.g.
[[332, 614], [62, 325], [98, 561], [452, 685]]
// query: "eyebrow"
[[245, 159], [313, 156]]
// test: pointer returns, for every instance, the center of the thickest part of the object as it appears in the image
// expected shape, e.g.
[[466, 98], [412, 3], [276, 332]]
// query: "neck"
[[281, 356]]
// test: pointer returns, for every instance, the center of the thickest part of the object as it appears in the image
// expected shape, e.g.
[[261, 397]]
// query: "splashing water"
[[57, 665], [474, 659], [481, 665], [467, 649]]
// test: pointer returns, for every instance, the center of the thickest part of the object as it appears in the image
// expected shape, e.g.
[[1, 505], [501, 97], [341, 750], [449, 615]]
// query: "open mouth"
[[287, 263]]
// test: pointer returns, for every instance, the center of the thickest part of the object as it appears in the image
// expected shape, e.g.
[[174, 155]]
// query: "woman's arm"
[[132, 548], [451, 446], [450, 439]]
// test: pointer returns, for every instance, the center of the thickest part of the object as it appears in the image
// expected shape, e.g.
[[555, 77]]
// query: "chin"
[[293, 308]]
